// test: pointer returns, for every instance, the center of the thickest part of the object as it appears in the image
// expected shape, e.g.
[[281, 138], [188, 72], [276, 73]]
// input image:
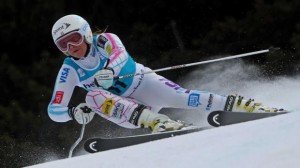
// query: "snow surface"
[[268, 143]]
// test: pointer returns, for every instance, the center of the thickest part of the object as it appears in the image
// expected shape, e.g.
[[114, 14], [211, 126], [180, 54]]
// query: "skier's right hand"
[[83, 114]]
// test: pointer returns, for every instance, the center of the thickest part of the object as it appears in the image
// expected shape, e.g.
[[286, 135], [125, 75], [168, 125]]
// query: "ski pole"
[[78, 141], [271, 49]]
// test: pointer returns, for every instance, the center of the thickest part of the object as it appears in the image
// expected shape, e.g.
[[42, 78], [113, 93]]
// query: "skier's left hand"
[[104, 78]]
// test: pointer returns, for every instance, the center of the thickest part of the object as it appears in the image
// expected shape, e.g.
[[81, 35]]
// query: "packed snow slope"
[[268, 143]]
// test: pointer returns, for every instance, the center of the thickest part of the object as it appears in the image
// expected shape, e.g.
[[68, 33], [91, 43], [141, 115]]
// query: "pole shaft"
[[196, 63], [78, 141]]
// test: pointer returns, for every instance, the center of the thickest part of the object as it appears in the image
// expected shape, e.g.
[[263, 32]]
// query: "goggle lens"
[[74, 38]]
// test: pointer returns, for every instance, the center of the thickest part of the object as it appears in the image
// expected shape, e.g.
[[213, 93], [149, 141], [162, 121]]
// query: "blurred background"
[[156, 33]]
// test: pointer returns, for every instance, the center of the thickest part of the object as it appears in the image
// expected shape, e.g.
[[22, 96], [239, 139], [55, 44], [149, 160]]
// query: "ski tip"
[[273, 49], [91, 145], [214, 118]]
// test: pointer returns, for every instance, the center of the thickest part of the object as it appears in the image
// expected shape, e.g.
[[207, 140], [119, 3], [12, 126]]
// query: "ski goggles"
[[74, 38]]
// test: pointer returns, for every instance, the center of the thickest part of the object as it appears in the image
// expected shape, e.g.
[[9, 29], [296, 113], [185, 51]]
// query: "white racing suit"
[[118, 103]]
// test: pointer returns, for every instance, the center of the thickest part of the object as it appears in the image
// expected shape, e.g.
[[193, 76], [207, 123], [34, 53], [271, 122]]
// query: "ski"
[[98, 144], [215, 119], [222, 118]]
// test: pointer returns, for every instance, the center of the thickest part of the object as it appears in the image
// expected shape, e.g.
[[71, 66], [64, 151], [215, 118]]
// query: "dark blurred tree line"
[[156, 33]]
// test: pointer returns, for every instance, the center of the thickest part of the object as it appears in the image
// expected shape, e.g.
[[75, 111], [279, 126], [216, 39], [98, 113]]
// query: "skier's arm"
[[66, 81], [113, 48]]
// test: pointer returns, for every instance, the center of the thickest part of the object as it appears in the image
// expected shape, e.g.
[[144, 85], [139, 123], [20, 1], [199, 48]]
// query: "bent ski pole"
[[271, 49], [78, 141]]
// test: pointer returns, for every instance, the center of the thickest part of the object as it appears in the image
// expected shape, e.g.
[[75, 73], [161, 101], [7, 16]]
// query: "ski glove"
[[83, 114], [104, 78]]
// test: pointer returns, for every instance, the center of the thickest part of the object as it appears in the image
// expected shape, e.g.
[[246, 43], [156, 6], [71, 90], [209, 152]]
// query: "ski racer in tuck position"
[[93, 61]]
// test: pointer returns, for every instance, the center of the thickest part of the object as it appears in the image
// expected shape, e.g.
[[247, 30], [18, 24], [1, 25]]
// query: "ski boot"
[[237, 103], [167, 125], [158, 122]]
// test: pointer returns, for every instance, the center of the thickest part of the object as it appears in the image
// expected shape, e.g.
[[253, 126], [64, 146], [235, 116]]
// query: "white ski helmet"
[[71, 23]]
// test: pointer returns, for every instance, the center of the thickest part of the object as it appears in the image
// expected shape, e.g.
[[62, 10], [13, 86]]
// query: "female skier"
[[93, 61]]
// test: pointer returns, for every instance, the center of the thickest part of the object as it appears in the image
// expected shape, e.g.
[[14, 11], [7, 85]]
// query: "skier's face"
[[77, 51]]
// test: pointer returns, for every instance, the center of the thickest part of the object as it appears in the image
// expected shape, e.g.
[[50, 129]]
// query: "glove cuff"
[[71, 112], [109, 68]]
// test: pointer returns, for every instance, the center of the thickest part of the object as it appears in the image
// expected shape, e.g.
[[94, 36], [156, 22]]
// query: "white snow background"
[[269, 143]]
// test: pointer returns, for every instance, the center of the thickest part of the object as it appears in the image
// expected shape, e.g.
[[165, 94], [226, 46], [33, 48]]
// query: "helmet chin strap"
[[87, 49]]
